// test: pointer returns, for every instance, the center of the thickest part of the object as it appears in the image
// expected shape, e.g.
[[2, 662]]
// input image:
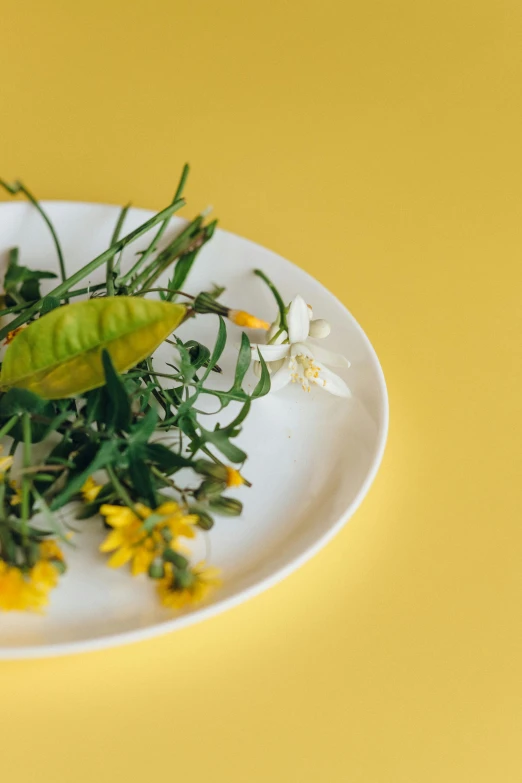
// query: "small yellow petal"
[[234, 477], [113, 541], [120, 557]]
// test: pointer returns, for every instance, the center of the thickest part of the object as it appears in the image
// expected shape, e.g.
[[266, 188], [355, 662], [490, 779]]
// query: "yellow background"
[[377, 145]]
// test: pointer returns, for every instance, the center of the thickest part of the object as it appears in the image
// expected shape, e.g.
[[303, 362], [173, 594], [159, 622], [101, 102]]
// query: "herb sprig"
[[105, 447]]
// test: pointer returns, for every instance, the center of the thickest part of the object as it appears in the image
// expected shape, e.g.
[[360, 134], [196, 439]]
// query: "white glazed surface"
[[312, 457]]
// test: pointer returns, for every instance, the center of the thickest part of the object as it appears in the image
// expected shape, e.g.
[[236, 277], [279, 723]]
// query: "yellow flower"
[[127, 536], [49, 550], [5, 464], [131, 543], [17, 593], [179, 523], [241, 318], [234, 477], [90, 490], [15, 499], [203, 580], [44, 575]]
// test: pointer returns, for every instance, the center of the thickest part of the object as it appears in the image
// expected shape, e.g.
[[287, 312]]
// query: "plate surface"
[[312, 457]]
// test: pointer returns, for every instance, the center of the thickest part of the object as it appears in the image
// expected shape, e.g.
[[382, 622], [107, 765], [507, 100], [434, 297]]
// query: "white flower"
[[293, 358]]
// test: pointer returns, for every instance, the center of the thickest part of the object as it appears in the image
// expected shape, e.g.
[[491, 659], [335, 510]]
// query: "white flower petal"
[[280, 378], [328, 357], [298, 320], [320, 328], [270, 353], [302, 349], [331, 382], [275, 366]]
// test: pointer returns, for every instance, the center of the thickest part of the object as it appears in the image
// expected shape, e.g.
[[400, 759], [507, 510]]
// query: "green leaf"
[[199, 354], [165, 459], [144, 428], [118, 402], [140, 475], [59, 355], [20, 282], [218, 348], [243, 361], [181, 272], [220, 438], [264, 383], [95, 407], [104, 456], [18, 401]]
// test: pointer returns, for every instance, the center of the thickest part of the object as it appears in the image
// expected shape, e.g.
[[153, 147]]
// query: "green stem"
[[2, 505], [178, 246], [115, 236], [26, 481], [8, 426], [18, 187], [153, 245], [77, 292], [120, 489], [61, 289], [277, 297]]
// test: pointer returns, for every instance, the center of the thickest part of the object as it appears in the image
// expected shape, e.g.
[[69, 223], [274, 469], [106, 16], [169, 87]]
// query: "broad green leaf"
[[59, 355]]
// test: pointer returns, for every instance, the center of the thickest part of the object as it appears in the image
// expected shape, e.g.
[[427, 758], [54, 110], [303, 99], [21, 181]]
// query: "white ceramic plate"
[[312, 457]]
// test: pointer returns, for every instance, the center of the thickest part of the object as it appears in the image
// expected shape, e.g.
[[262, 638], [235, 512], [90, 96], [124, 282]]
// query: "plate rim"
[[198, 615]]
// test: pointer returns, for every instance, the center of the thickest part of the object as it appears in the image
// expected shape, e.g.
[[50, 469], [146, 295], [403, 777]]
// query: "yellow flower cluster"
[[19, 590], [132, 541]]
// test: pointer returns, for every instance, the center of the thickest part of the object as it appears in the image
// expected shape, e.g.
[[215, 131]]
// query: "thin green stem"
[[2, 503], [8, 426], [167, 290], [77, 292], [121, 491], [62, 289], [154, 244], [178, 245], [277, 297], [18, 187], [26, 481], [115, 267]]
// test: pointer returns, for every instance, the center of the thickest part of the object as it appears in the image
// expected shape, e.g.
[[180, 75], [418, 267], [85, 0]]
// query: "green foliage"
[[67, 383]]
